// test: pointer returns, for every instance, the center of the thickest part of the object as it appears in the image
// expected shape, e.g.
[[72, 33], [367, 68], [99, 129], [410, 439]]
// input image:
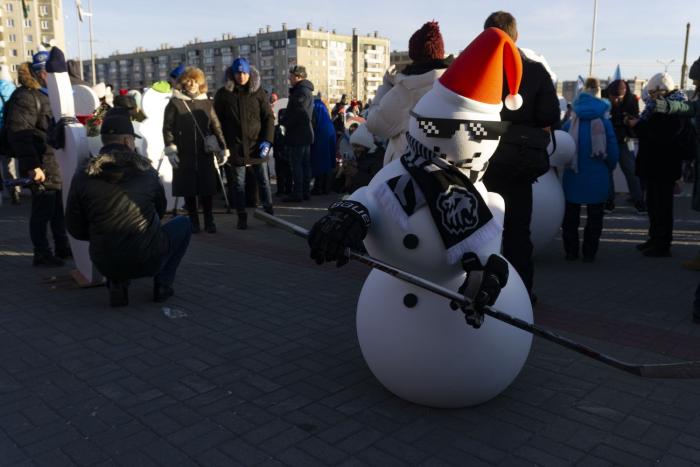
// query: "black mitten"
[[481, 286], [345, 226]]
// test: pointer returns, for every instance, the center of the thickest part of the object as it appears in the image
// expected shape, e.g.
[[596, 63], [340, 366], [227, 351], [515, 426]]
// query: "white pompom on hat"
[[100, 89], [476, 76], [362, 137]]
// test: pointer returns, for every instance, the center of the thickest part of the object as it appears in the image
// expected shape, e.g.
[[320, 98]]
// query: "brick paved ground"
[[265, 368]]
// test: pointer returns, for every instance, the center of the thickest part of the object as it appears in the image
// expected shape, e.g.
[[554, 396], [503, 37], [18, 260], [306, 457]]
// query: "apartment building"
[[21, 37], [337, 64]]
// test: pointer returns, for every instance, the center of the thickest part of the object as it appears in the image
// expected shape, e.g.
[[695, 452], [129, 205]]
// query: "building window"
[[14, 53], [28, 38], [27, 23], [44, 25], [9, 7], [10, 22], [43, 10], [13, 37], [13, 67]]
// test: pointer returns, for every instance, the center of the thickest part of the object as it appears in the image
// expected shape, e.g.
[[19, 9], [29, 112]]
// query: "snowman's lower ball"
[[547, 210], [425, 352]]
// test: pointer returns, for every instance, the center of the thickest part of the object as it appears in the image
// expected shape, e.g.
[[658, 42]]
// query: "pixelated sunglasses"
[[446, 127]]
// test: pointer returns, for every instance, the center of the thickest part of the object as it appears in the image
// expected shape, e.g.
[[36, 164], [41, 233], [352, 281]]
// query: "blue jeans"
[[179, 231], [300, 158], [238, 192], [627, 167]]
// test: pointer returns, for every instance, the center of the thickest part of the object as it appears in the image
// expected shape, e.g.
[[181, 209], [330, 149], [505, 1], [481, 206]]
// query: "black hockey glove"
[[345, 226], [481, 286]]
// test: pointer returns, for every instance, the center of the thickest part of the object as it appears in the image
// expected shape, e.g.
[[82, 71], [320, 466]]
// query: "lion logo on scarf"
[[458, 209]]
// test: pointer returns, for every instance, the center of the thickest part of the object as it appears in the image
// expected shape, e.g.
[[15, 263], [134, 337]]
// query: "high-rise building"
[[337, 64], [21, 37]]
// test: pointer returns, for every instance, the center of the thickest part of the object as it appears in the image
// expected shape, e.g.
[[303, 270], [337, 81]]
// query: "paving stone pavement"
[[265, 367]]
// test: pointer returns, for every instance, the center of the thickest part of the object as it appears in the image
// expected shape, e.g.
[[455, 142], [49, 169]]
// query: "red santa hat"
[[477, 74]]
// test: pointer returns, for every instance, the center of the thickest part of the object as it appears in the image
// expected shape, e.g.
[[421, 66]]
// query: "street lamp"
[[590, 65], [666, 64]]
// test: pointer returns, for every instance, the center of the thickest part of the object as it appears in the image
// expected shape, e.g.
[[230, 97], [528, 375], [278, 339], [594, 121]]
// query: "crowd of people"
[[318, 148]]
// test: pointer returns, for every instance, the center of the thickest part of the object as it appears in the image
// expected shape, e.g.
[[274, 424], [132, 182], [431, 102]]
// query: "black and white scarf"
[[460, 214]]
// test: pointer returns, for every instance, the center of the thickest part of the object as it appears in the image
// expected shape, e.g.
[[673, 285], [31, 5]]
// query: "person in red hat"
[[540, 109], [399, 92]]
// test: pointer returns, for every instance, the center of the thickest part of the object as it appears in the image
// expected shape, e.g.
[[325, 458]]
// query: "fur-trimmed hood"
[[26, 78], [253, 84], [114, 162], [179, 94]]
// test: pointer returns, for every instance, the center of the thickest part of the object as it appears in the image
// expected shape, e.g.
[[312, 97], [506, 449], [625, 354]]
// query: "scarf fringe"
[[475, 241], [387, 200]]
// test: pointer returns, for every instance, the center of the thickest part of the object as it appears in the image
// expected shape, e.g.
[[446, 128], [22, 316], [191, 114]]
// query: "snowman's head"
[[466, 134], [459, 118]]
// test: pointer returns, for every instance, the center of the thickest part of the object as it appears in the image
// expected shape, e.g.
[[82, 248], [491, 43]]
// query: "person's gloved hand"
[[481, 286], [223, 156], [345, 226], [171, 153], [661, 106], [265, 149]]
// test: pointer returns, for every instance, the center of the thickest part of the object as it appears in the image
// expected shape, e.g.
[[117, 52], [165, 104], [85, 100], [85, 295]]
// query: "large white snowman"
[[418, 346]]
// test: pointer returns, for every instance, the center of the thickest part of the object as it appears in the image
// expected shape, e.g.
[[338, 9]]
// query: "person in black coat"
[[659, 164], [28, 118], [189, 118], [298, 122], [248, 126], [540, 109], [116, 202]]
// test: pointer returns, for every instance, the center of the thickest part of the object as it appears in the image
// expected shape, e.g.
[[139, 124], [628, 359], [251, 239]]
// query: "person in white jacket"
[[400, 91]]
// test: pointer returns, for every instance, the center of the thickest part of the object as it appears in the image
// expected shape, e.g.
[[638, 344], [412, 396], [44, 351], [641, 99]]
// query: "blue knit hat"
[[240, 65], [175, 74], [39, 60]]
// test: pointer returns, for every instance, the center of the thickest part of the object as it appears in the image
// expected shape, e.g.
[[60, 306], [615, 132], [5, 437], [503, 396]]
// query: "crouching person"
[[116, 202]]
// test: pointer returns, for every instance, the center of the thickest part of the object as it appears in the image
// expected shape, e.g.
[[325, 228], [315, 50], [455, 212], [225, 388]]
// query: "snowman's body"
[[151, 130], [427, 353]]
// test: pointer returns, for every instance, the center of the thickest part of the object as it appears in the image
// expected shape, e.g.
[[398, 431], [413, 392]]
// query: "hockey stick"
[[676, 370]]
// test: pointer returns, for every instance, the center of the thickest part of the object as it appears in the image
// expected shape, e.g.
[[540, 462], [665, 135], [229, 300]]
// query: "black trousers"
[[660, 210], [205, 202], [517, 246], [47, 209], [284, 176], [591, 233]]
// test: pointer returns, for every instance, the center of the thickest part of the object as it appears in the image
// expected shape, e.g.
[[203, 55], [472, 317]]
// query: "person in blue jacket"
[[587, 180], [322, 149]]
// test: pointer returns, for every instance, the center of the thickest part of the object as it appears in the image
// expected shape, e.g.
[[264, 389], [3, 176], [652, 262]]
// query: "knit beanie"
[[362, 137], [426, 43]]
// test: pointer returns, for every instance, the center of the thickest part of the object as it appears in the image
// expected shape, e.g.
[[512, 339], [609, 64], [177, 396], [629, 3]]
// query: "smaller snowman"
[[429, 214]]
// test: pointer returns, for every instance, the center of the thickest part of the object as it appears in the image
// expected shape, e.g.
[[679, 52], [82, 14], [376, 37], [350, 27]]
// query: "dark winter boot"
[[162, 292], [269, 210], [118, 293], [209, 225], [194, 220], [242, 221], [47, 259]]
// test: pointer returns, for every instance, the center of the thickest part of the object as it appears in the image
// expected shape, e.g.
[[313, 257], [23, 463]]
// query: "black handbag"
[[522, 154]]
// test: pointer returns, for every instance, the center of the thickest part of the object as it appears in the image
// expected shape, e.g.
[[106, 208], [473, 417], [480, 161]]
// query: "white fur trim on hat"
[[362, 137], [100, 89], [455, 103]]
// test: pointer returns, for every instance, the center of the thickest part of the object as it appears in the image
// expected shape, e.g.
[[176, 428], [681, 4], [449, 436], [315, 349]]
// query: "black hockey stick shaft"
[[653, 370]]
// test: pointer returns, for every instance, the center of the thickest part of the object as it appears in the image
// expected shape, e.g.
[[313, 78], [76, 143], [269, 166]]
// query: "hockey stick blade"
[[676, 370]]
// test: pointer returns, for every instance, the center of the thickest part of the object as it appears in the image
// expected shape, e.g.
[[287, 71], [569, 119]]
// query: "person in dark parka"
[[248, 126], [189, 118], [540, 109]]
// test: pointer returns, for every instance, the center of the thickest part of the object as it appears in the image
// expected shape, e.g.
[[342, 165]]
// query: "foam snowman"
[[74, 151], [414, 342]]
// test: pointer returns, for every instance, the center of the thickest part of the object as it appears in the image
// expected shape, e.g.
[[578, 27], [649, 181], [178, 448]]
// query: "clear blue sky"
[[635, 33]]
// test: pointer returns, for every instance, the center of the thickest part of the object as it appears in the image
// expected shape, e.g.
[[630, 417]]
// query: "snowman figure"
[[428, 213]]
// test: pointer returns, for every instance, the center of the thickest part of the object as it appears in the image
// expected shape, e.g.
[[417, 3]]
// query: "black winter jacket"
[[116, 202], [659, 152], [246, 118], [28, 118], [628, 106], [298, 119], [196, 173]]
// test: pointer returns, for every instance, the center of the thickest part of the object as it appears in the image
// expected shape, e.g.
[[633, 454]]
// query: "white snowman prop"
[[426, 217], [71, 155]]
